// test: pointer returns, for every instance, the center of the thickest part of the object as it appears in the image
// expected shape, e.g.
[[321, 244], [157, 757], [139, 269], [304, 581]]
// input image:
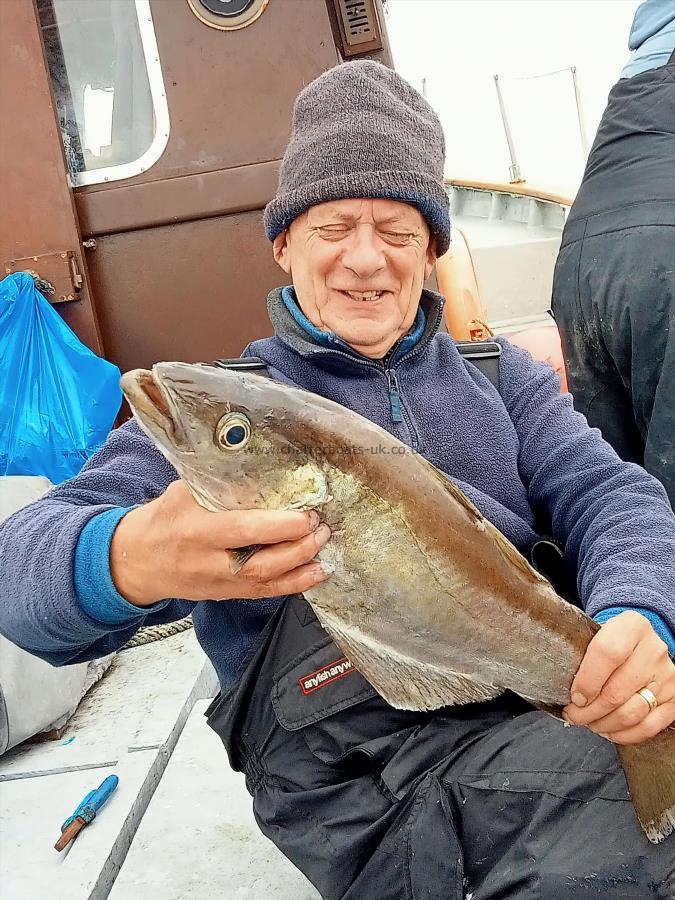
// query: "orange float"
[[466, 318], [543, 343]]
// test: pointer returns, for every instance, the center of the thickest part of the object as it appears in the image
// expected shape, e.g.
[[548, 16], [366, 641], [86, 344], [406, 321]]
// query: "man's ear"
[[282, 251], [431, 259]]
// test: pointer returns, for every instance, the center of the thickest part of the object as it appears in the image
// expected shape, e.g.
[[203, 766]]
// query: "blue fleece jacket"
[[512, 454]]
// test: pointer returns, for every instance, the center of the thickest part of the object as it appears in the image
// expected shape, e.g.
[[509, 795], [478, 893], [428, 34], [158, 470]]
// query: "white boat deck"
[[514, 241], [199, 839], [180, 823]]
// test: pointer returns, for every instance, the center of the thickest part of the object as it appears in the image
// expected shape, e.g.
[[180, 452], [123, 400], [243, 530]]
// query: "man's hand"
[[625, 656], [172, 547]]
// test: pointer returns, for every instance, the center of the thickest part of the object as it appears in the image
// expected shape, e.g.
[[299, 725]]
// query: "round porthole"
[[228, 15]]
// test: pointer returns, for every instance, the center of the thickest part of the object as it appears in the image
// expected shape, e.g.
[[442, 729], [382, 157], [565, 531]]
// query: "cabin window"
[[107, 85]]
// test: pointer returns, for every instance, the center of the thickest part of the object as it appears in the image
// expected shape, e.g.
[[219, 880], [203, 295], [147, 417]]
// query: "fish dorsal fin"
[[450, 487], [405, 683], [511, 553]]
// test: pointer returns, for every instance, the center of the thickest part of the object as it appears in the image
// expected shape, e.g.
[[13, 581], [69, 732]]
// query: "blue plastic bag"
[[58, 400]]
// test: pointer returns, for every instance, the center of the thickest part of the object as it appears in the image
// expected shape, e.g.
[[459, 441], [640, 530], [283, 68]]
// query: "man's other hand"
[[172, 547], [625, 656]]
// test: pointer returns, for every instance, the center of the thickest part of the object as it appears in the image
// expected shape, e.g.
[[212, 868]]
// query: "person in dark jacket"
[[614, 284], [492, 799]]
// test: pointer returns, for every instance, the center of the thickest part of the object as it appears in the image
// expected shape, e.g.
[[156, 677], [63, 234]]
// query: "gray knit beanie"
[[360, 130]]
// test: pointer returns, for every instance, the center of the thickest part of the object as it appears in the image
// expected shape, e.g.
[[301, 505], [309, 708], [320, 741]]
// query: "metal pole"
[[424, 88], [580, 115], [515, 174]]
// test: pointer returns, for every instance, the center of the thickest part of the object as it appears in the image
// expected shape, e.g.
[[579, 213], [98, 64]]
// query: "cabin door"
[[39, 228], [164, 121]]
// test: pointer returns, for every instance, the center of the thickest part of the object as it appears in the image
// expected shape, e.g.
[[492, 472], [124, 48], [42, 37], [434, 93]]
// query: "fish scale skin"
[[427, 609]]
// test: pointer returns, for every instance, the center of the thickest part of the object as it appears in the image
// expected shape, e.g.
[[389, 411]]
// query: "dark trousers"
[[614, 302], [491, 800]]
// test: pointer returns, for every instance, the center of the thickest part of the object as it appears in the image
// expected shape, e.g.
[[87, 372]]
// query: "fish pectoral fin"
[[242, 556], [404, 682]]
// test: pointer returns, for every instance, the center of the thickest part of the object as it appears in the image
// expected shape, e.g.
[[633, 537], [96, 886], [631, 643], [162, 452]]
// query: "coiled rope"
[[157, 632]]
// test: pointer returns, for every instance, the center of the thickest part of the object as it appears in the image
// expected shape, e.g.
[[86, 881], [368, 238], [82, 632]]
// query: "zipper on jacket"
[[392, 389], [394, 397], [392, 382]]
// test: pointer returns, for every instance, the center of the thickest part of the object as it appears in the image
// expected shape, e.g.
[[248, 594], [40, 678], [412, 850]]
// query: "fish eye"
[[233, 431]]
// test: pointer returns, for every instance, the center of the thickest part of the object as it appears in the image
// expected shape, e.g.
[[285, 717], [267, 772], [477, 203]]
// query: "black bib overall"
[[371, 803], [614, 284]]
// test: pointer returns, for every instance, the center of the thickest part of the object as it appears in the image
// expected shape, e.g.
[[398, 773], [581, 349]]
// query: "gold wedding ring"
[[650, 698]]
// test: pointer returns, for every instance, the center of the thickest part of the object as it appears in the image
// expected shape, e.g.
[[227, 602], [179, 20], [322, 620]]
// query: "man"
[[372, 802], [614, 285]]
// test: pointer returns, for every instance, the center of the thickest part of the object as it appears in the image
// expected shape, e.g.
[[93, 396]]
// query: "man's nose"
[[364, 254]]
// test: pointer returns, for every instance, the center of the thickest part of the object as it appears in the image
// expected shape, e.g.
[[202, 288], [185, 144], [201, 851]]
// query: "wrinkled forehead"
[[380, 211]]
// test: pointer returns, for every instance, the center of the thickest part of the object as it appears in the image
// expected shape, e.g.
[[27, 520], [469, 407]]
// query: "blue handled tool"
[[86, 811]]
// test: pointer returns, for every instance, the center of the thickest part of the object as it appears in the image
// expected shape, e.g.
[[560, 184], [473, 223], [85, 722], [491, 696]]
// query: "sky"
[[459, 45]]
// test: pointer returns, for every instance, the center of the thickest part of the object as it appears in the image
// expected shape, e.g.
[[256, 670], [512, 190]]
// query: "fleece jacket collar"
[[330, 352]]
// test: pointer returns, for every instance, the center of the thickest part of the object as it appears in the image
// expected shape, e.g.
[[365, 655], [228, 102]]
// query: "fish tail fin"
[[650, 772]]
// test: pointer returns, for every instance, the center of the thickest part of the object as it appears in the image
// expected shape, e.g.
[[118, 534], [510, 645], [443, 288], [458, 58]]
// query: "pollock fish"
[[427, 598]]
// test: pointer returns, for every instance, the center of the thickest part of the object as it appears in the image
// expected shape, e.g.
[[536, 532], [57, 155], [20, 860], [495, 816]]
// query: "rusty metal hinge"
[[58, 271]]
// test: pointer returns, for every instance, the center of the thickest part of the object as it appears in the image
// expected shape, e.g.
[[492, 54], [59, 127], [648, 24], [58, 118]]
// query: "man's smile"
[[363, 296]]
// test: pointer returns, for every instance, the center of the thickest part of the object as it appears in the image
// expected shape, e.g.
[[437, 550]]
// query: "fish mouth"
[[147, 395]]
